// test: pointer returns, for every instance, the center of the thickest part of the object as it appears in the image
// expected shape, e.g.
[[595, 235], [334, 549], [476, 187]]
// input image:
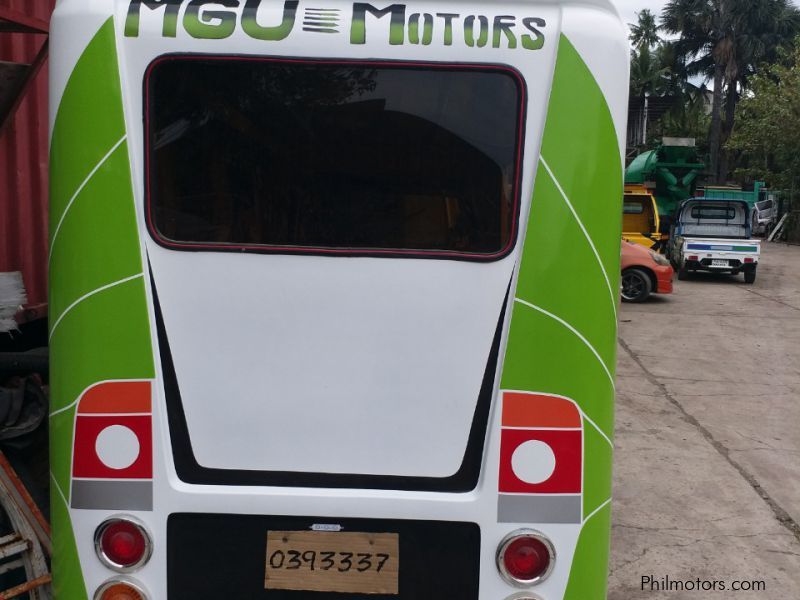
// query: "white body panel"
[[405, 341], [386, 386]]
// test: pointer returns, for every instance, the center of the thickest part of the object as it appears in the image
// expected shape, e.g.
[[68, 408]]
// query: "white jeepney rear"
[[714, 236], [311, 334]]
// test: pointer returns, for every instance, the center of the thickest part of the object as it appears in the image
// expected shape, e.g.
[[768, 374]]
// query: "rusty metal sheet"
[[23, 158]]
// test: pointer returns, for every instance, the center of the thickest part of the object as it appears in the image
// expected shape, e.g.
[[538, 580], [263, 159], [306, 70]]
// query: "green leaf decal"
[[562, 339], [99, 321]]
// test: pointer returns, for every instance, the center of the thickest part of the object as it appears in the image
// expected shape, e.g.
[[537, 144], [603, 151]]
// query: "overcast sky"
[[629, 8]]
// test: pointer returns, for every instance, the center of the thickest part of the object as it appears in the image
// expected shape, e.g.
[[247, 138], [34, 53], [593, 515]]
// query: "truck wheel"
[[683, 273], [750, 276], [636, 286]]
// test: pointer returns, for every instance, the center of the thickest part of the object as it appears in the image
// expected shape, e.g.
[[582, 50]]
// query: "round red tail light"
[[525, 557], [122, 544], [120, 590]]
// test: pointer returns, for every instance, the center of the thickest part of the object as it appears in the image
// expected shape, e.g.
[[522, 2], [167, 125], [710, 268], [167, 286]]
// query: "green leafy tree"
[[724, 41], [659, 71], [644, 33], [687, 115], [648, 75], [768, 126]]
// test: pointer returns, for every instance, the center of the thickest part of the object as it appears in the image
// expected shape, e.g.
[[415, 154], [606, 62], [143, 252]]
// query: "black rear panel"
[[212, 556]]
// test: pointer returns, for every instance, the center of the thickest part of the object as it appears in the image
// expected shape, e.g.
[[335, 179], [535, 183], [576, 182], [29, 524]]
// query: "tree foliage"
[[768, 125], [658, 70], [644, 33], [725, 41]]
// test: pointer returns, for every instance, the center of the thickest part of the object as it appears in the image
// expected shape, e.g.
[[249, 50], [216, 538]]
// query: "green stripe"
[[580, 145], [101, 328], [597, 455], [98, 242], [549, 346], [91, 112], [543, 356], [68, 582], [588, 579]]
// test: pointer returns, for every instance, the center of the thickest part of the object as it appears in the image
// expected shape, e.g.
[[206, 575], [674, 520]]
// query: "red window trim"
[[312, 250]]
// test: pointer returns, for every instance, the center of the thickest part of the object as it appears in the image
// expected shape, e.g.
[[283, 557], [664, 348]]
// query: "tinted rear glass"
[[713, 212], [632, 206], [349, 156]]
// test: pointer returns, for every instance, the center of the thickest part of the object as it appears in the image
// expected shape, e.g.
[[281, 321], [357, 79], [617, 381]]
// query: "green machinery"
[[670, 172]]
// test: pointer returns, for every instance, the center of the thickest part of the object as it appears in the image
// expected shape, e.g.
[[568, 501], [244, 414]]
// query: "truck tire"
[[683, 273], [750, 276], [636, 285]]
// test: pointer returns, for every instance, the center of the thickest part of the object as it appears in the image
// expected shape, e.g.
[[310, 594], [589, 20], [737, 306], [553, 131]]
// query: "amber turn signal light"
[[120, 590]]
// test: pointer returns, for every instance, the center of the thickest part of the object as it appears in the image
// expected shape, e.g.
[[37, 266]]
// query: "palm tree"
[[647, 72], [687, 110], [658, 71], [648, 75], [724, 41], [644, 33]]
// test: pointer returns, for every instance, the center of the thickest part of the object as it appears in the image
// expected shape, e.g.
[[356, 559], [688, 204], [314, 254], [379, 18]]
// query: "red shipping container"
[[24, 156]]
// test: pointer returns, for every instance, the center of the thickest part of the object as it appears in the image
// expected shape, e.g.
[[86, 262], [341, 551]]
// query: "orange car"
[[644, 272]]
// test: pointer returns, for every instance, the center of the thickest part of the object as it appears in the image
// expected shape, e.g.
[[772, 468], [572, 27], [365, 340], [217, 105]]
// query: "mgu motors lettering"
[[219, 19]]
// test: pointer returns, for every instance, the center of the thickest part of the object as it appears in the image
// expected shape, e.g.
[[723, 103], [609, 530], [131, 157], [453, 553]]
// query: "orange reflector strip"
[[117, 397], [538, 410], [121, 591]]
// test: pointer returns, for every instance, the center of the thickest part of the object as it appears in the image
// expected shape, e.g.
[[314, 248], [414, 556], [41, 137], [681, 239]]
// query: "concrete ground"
[[707, 471]]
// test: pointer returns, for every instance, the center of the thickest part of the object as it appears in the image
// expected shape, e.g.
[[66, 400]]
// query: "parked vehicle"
[[644, 272], [764, 215], [714, 236], [311, 337], [640, 221]]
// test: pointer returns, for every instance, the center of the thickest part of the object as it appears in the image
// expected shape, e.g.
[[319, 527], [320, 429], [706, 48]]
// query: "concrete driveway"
[[707, 472]]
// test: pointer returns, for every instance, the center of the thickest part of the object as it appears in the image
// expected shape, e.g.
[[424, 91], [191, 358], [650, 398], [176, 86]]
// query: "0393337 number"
[[348, 562], [326, 560]]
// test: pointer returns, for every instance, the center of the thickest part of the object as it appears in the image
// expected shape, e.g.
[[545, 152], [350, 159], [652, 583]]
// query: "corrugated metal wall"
[[23, 163]]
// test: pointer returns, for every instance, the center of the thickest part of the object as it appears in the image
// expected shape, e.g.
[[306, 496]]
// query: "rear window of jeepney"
[[332, 156], [713, 213]]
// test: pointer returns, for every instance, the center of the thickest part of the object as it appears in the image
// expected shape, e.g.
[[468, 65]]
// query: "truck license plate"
[[719, 263], [325, 561]]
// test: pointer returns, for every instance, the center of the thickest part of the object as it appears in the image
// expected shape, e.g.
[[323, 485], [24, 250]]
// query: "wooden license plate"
[[327, 561]]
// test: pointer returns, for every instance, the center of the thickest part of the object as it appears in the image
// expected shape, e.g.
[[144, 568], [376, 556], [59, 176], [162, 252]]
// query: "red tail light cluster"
[[123, 544], [525, 557]]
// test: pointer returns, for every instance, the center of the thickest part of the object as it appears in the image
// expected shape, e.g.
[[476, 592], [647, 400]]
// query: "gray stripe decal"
[[538, 509], [112, 495]]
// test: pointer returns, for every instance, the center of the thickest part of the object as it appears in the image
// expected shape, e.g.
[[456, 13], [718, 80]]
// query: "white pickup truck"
[[714, 236]]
